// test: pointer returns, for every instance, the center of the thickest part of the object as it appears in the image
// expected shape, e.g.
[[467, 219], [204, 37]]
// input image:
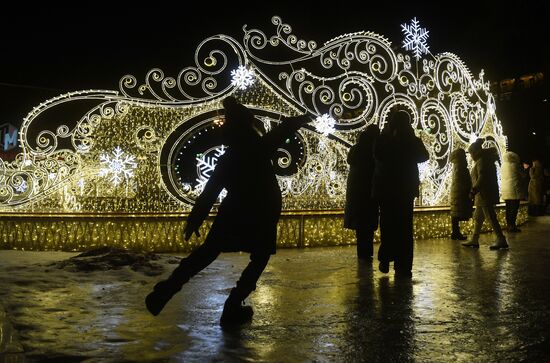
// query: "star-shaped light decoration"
[[324, 124], [415, 38], [21, 187], [119, 166], [242, 77]]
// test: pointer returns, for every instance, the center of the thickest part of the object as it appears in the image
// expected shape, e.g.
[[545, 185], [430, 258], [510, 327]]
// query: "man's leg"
[[514, 208], [163, 291], [234, 312], [479, 218], [405, 242], [500, 242], [509, 223], [386, 251], [455, 232], [365, 238]]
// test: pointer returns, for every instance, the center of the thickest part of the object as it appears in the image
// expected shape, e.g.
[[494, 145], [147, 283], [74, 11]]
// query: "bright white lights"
[[242, 78], [415, 38], [119, 166], [324, 124], [206, 163], [21, 187], [349, 82]]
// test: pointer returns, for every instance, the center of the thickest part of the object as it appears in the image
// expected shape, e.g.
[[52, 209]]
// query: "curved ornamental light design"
[[151, 145]]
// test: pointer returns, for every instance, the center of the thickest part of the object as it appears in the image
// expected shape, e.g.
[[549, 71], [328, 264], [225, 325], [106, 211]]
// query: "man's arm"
[[289, 125]]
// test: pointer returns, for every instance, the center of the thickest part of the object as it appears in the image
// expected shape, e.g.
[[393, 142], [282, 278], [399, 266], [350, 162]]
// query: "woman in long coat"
[[511, 183], [361, 212], [461, 183], [247, 217], [396, 182]]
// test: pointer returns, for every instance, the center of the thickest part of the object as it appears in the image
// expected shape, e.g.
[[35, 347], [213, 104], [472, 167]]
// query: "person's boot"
[[499, 244], [513, 229], [384, 266], [473, 243], [235, 312], [457, 236], [164, 290]]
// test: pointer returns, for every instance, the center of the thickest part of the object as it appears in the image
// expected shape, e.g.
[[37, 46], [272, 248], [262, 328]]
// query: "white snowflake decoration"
[[242, 77], [425, 169], [415, 38], [21, 187], [324, 124], [206, 163], [119, 166]]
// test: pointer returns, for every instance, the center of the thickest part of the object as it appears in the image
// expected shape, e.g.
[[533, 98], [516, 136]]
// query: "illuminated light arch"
[[354, 79]]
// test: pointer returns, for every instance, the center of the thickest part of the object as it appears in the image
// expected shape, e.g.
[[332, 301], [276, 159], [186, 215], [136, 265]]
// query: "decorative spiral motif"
[[355, 79]]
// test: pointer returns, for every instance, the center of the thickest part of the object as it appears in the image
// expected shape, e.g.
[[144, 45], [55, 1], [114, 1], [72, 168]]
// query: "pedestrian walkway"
[[318, 304]]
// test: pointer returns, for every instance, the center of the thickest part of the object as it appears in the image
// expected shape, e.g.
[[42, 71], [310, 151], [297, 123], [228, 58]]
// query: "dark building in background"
[[523, 107], [9, 142]]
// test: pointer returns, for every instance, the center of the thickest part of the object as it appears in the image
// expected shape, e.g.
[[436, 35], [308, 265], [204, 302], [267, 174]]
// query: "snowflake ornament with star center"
[[324, 124], [118, 165], [415, 38], [242, 77]]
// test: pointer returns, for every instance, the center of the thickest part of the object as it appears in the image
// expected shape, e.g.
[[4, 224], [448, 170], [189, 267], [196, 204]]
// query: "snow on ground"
[[69, 307]]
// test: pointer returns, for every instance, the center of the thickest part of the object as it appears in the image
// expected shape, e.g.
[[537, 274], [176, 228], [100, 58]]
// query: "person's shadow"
[[381, 325]]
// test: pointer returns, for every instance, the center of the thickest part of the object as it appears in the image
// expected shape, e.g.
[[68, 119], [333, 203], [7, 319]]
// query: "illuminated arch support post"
[[148, 137]]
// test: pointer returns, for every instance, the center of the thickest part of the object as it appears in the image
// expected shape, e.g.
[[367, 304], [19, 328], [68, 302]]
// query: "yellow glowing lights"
[[135, 150]]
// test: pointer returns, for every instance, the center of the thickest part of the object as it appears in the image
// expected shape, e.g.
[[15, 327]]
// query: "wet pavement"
[[311, 305]]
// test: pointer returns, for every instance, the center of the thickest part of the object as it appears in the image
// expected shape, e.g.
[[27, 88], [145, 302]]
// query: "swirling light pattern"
[[164, 122]]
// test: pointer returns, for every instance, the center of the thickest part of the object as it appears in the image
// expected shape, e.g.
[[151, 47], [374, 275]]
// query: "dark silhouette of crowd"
[[382, 185], [394, 184]]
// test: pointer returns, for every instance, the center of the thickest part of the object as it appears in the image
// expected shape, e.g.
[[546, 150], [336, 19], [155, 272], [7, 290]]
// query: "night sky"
[[49, 51]]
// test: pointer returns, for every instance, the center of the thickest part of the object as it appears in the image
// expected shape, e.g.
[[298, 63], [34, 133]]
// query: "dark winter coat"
[[536, 183], [396, 168], [248, 215], [484, 178], [511, 178], [461, 184], [361, 211]]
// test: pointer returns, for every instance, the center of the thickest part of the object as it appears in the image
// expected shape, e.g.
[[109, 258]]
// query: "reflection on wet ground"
[[311, 305]]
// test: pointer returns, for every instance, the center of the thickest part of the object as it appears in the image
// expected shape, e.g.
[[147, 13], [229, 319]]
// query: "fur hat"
[[476, 146]]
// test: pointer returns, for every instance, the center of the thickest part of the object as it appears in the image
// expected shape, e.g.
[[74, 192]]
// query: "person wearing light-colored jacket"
[[511, 183], [485, 193]]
